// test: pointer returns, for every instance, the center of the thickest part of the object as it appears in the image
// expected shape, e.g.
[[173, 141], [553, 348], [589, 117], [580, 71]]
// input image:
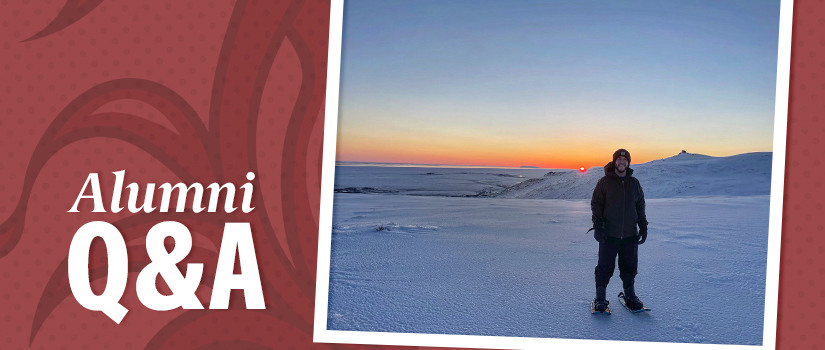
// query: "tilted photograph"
[[555, 169]]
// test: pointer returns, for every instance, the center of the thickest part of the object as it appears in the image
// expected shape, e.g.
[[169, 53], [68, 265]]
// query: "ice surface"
[[524, 267]]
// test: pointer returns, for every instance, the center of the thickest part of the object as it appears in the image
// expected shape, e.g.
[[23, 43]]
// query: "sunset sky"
[[556, 84]]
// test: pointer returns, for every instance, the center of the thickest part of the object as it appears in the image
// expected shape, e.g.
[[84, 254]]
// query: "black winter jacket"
[[620, 202]]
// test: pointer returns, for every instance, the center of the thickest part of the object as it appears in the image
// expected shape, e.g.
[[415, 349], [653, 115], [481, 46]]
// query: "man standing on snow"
[[618, 206]]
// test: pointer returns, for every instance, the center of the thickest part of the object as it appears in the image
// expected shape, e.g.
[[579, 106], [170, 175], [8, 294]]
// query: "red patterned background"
[[204, 91]]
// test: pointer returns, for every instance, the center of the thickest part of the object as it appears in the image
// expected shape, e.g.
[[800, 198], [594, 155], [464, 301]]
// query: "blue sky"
[[513, 82]]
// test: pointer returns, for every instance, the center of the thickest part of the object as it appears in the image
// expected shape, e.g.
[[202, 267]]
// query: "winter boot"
[[633, 302], [600, 305], [601, 293]]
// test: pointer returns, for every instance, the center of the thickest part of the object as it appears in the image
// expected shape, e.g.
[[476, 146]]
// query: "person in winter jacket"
[[618, 207]]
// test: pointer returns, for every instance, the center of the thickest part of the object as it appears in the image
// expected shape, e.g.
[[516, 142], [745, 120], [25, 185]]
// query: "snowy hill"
[[683, 175]]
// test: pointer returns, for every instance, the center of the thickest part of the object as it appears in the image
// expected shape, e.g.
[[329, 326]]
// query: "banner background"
[[205, 91]]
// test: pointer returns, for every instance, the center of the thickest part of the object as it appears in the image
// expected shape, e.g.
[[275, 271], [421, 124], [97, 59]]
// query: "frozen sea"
[[421, 254]]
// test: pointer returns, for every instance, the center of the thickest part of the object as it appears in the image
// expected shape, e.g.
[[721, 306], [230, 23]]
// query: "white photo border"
[[322, 335]]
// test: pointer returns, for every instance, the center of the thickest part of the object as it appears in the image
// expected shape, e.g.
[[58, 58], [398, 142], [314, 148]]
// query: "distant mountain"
[[683, 175]]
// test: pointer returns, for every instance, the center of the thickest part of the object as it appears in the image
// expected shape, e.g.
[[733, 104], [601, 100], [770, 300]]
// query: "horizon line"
[[525, 166]]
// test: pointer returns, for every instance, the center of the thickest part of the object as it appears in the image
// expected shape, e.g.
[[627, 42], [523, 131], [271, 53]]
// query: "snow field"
[[524, 267]]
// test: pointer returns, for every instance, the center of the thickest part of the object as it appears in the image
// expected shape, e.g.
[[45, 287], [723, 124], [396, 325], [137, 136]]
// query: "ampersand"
[[164, 264]]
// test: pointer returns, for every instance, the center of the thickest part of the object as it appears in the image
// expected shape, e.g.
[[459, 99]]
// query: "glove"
[[642, 231], [599, 229]]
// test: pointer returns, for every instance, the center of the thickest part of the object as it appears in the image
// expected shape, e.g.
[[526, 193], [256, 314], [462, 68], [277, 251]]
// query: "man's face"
[[621, 164]]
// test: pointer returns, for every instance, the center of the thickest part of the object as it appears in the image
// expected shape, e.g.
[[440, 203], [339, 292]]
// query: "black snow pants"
[[627, 249]]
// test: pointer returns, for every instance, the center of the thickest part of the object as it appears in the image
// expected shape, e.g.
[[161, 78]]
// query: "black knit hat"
[[621, 152]]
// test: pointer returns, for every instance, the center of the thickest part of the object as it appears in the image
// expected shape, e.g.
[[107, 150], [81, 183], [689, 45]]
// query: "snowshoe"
[[633, 304], [598, 306]]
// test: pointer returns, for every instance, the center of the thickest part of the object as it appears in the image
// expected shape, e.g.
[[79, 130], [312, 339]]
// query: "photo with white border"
[[421, 288]]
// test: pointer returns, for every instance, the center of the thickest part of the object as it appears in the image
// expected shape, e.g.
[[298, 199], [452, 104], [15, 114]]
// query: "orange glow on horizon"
[[539, 160], [478, 150]]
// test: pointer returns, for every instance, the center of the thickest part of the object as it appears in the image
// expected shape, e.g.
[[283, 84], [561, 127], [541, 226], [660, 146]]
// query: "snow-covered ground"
[[524, 267], [428, 181]]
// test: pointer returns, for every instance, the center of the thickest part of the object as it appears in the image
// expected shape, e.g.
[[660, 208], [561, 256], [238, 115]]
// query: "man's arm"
[[597, 202], [640, 213], [640, 206], [597, 207]]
